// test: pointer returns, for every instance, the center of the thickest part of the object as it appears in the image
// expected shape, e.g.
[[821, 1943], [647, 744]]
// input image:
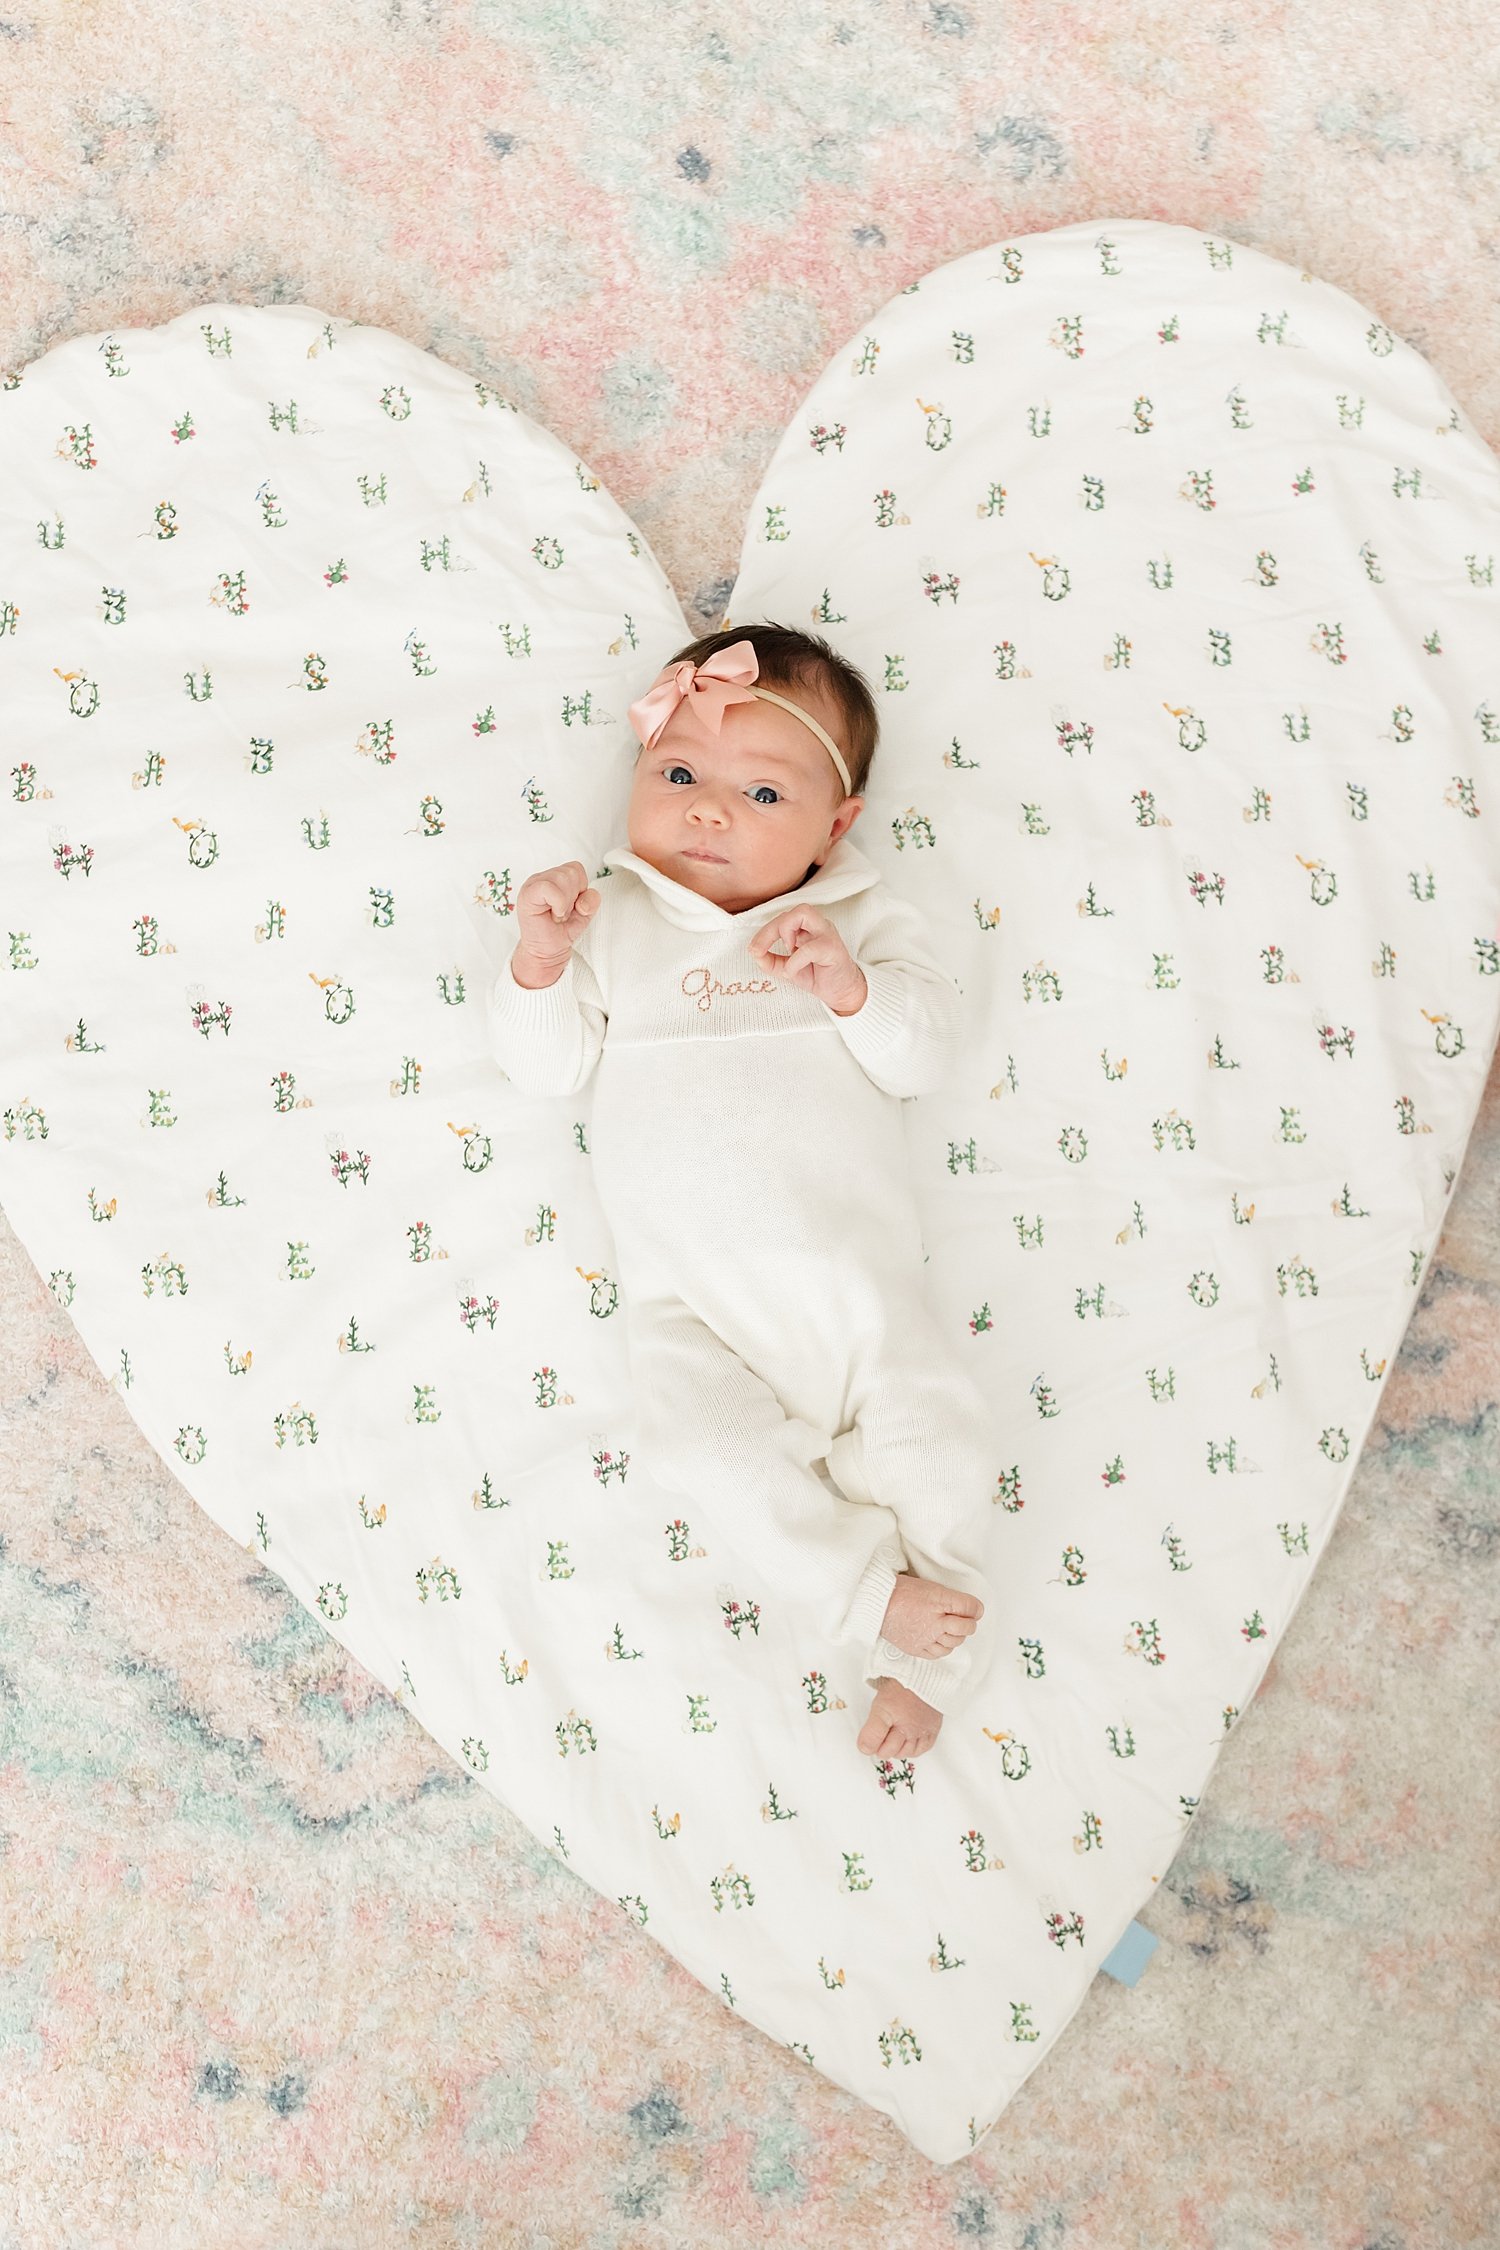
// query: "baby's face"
[[763, 795]]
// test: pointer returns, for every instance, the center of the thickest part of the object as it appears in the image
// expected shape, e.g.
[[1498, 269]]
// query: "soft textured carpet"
[[273, 1970]]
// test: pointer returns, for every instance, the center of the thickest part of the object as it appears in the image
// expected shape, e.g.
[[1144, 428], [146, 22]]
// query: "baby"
[[759, 1004]]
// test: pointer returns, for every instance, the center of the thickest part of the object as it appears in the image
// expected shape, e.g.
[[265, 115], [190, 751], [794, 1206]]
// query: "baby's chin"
[[713, 879]]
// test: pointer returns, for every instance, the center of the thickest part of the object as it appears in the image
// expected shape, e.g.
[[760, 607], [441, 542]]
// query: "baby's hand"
[[553, 909], [817, 959]]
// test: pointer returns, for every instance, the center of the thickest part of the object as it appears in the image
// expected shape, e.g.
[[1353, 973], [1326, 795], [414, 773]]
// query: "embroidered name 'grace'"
[[703, 987]]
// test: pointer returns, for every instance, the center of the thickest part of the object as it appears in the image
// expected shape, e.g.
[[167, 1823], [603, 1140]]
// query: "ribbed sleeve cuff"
[[874, 1030], [536, 1010]]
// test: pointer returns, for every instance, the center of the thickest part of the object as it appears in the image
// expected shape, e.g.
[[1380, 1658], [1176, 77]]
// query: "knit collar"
[[845, 871]]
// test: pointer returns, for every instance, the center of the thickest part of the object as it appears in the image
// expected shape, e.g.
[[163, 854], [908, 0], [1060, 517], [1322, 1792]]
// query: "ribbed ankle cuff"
[[866, 1613], [934, 1678]]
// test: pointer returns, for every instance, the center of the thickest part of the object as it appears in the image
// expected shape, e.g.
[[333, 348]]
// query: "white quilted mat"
[[1174, 573]]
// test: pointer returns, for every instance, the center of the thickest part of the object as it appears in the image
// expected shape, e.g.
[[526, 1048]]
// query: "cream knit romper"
[[750, 1154]]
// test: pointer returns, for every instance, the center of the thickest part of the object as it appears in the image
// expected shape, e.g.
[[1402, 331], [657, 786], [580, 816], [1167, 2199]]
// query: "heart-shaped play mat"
[[1173, 573]]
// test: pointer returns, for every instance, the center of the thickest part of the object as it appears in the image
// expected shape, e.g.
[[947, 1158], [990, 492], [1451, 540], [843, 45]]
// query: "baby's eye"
[[668, 771]]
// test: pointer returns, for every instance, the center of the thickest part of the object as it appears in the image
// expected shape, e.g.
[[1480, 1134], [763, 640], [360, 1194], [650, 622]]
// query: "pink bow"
[[707, 689]]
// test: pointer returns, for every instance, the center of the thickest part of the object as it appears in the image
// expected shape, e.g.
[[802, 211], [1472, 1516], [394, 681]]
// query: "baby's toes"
[[947, 1636]]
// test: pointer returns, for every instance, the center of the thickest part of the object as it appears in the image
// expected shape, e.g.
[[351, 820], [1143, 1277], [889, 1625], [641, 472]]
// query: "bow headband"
[[709, 688]]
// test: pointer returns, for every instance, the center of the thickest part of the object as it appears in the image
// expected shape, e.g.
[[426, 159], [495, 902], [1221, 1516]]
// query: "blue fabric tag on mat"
[[1130, 1955]]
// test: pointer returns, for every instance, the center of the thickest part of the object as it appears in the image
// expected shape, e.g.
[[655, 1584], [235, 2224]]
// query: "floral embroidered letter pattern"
[[1173, 573]]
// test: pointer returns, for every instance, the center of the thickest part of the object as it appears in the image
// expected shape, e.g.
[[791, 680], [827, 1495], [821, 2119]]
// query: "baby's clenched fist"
[[553, 909]]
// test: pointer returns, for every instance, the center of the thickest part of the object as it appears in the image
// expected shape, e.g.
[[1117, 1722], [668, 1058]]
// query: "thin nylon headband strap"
[[808, 720]]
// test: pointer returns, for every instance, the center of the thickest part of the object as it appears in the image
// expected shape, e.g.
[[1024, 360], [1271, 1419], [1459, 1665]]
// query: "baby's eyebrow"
[[764, 761]]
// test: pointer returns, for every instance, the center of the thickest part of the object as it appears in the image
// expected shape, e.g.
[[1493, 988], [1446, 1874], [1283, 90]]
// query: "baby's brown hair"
[[787, 657]]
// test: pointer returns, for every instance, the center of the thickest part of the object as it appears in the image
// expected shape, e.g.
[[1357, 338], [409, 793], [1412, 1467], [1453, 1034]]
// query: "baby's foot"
[[927, 1619], [900, 1724]]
